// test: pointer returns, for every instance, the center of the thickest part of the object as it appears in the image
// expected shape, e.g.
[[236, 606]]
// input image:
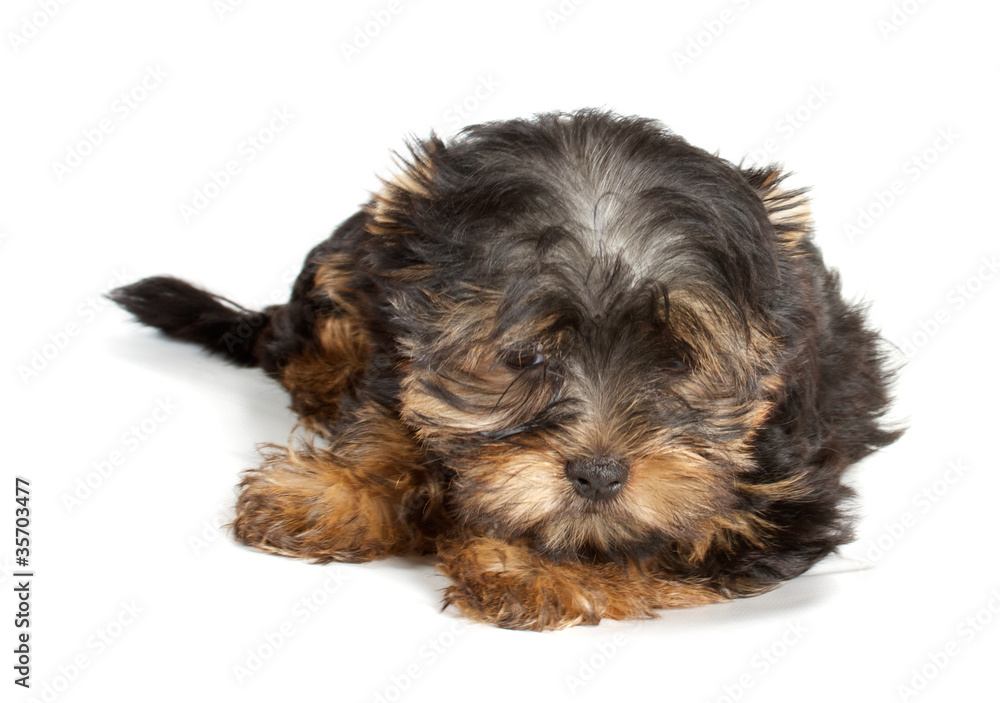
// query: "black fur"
[[189, 314], [638, 264]]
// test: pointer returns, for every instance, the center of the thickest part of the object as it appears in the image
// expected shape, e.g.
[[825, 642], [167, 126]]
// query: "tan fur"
[[333, 280], [338, 352], [348, 502], [492, 396], [670, 488], [412, 178], [673, 491], [790, 211], [510, 585], [535, 361]]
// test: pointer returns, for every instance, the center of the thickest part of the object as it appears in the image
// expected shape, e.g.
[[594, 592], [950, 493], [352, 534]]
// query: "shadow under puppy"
[[597, 371]]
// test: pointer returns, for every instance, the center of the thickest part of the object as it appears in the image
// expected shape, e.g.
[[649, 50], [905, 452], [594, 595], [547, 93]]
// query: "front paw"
[[302, 504], [510, 586], [278, 515]]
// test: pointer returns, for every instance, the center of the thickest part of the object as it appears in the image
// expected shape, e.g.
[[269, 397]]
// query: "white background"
[[853, 96]]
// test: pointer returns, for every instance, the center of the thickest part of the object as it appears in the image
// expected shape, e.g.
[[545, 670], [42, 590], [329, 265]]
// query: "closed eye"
[[520, 360], [677, 363]]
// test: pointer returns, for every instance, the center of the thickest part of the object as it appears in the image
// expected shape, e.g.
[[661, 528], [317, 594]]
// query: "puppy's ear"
[[392, 207], [788, 210]]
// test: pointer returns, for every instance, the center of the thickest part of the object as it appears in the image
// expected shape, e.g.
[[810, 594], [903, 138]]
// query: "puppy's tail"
[[190, 314]]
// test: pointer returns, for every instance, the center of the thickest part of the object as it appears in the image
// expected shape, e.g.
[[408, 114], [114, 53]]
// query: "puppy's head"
[[584, 306]]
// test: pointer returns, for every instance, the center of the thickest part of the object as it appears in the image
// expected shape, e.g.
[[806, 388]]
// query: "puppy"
[[595, 370]]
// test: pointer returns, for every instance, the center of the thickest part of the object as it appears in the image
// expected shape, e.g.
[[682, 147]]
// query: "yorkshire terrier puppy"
[[595, 370]]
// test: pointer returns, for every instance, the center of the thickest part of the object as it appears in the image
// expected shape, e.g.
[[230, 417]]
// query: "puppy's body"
[[594, 369]]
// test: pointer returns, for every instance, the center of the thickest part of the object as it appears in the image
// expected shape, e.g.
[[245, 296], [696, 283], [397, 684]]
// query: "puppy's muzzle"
[[597, 478]]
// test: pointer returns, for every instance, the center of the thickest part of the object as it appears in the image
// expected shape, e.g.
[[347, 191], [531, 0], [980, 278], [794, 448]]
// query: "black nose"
[[597, 479]]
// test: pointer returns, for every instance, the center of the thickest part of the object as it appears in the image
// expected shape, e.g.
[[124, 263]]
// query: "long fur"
[[575, 289], [189, 314]]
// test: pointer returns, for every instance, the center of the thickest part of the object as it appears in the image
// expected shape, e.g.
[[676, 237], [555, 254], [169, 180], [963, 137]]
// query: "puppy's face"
[[584, 321]]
